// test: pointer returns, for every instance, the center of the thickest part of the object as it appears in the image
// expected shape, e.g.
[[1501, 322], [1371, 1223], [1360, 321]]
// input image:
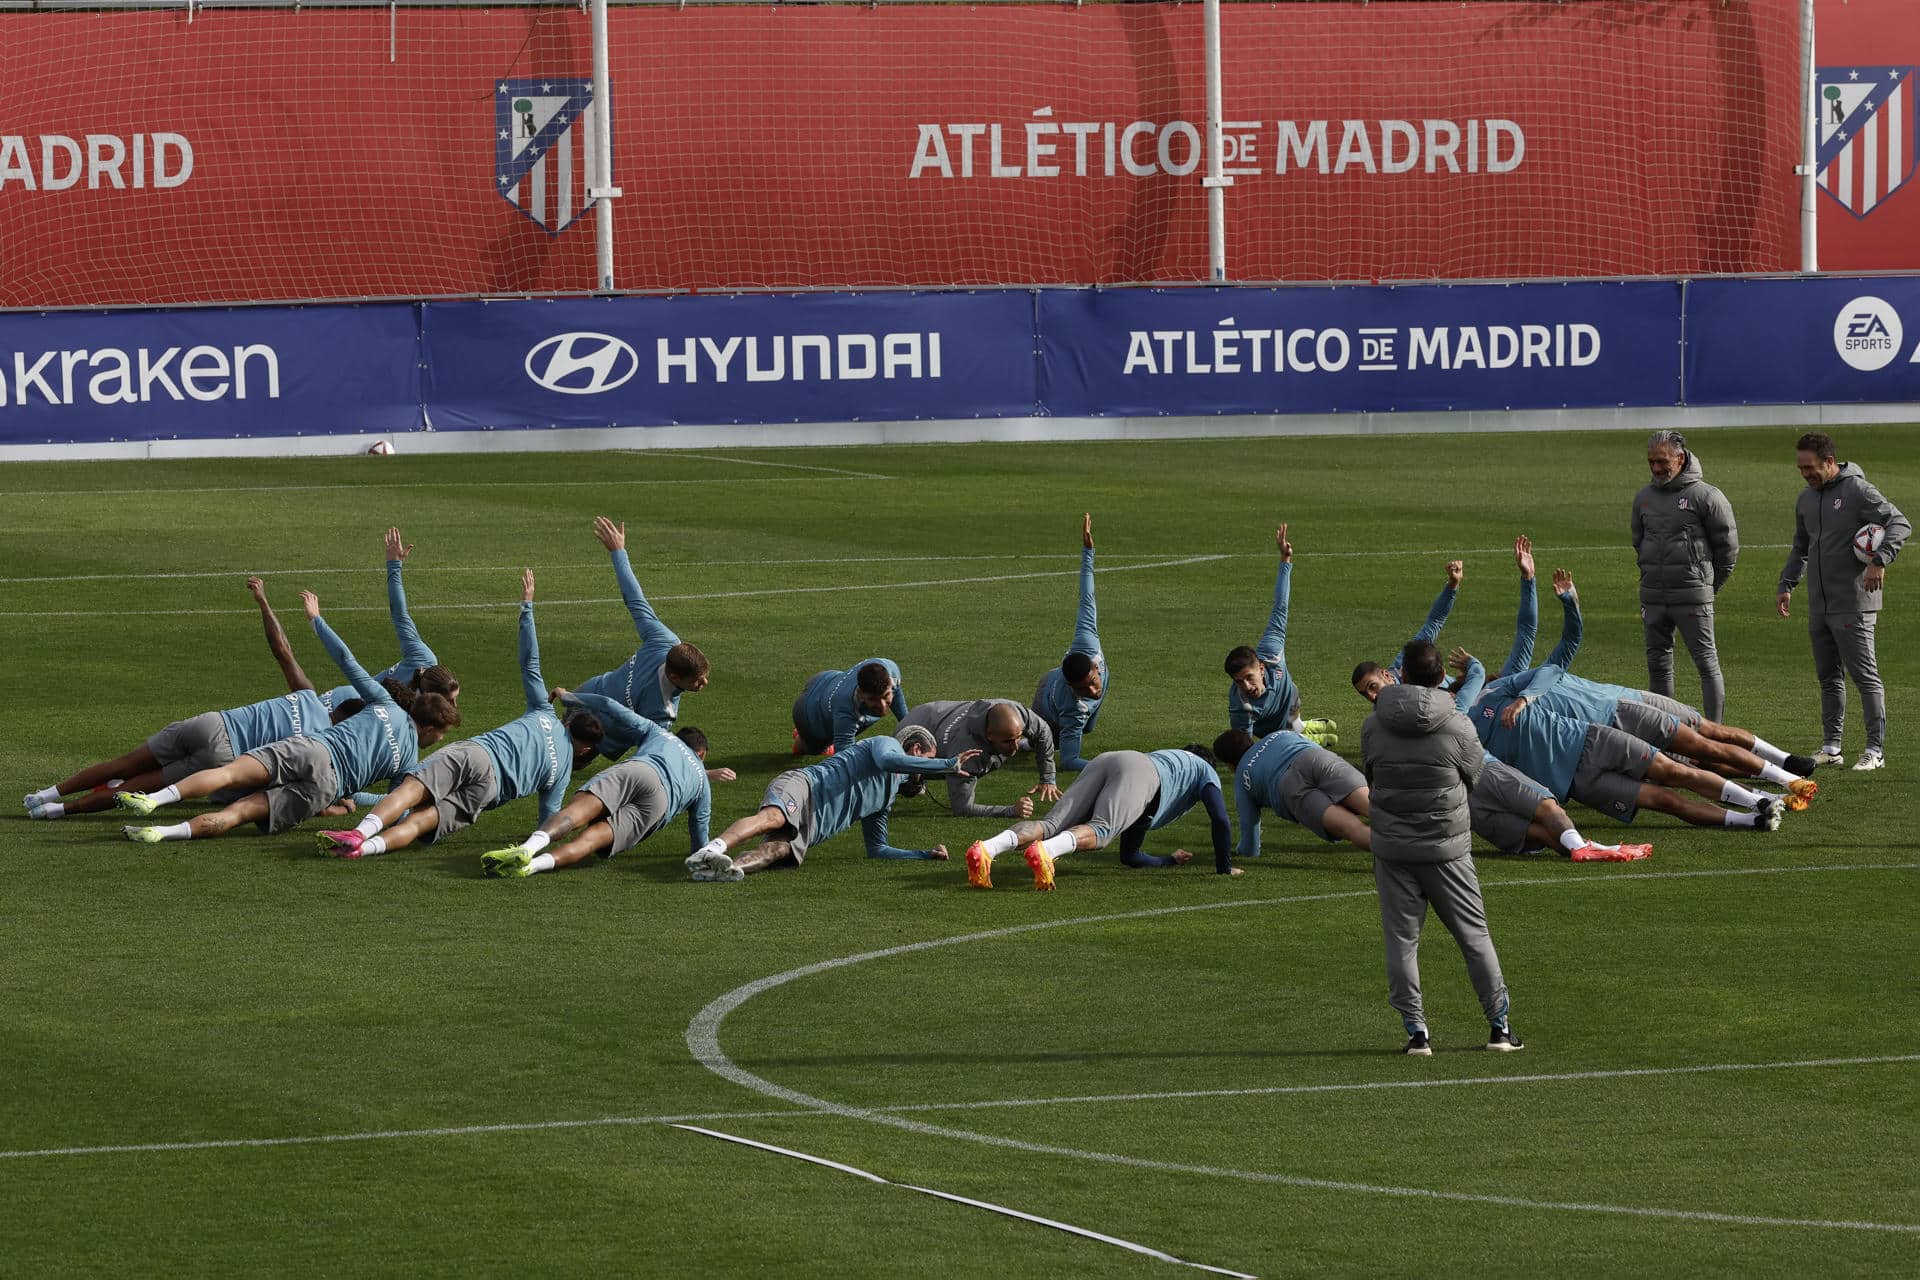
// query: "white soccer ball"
[[382, 447], [1867, 540]]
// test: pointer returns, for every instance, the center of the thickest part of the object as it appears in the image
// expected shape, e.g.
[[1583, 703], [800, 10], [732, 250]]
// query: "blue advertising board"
[[1827, 340], [70, 377], [1345, 349], [723, 359]]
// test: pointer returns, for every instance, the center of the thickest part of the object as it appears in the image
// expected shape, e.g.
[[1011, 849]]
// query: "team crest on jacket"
[[1836, 504], [1867, 119], [543, 148], [1683, 505]]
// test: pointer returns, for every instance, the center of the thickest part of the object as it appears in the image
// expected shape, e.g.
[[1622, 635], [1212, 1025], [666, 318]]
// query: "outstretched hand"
[[1456, 570], [397, 550], [612, 536], [721, 775], [1459, 660], [964, 763], [1086, 530], [257, 588], [1523, 556], [1046, 791], [1562, 582], [311, 603], [1286, 548], [526, 586]]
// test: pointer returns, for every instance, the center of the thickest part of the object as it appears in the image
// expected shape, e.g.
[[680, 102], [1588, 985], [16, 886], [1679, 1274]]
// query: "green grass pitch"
[[1221, 1082]]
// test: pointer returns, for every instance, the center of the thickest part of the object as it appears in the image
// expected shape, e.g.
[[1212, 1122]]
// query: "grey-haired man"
[[1687, 543]]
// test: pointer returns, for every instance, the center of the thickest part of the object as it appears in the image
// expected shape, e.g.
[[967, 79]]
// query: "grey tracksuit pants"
[[1406, 889], [1695, 624], [1842, 647]]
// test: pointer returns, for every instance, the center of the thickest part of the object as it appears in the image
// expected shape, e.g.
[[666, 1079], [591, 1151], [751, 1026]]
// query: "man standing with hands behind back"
[[1687, 543]]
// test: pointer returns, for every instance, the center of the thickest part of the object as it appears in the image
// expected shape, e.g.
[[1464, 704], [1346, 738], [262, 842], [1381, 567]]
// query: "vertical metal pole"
[[1809, 145], [603, 193], [1216, 181]]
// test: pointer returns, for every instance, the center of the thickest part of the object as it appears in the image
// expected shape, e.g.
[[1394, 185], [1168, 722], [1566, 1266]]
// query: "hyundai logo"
[[582, 364]]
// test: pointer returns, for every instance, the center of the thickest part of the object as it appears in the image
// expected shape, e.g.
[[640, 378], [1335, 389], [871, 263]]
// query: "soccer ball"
[[1867, 540], [382, 447]]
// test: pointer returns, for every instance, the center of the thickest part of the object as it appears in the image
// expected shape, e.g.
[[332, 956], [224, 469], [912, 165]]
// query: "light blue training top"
[[1184, 778], [681, 770], [1070, 716], [533, 753], [829, 711], [377, 744], [638, 683], [1542, 745], [1256, 784], [1272, 710], [414, 653], [269, 720], [859, 784]]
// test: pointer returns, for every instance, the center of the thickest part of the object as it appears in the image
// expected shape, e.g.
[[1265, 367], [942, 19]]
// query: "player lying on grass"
[[418, 668], [1609, 770], [1300, 781], [448, 791], [803, 807], [1069, 697], [660, 670], [289, 781], [997, 728], [205, 741], [836, 706], [1263, 698], [621, 806], [1122, 794]]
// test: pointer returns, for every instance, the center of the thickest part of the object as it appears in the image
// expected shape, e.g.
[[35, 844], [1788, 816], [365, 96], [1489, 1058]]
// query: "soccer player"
[[418, 668], [997, 728], [1297, 779], [835, 706], [665, 777], [1421, 759], [199, 742], [660, 670], [1687, 543], [1263, 699], [803, 807], [1609, 770], [1843, 594], [1069, 697], [1120, 793], [289, 781], [451, 788]]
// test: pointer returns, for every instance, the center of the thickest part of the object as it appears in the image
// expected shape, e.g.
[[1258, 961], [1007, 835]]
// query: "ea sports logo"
[[581, 364], [1867, 333]]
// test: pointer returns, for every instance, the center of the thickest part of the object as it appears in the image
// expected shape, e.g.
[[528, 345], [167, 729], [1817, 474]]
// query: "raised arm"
[[646, 623], [1526, 622], [1442, 606], [1086, 627], [363, 684], [1273, 642], [1573, 627], [1473, 679], [413, 650], [530, 682], [617, 717], [290, 668], [888, 754]]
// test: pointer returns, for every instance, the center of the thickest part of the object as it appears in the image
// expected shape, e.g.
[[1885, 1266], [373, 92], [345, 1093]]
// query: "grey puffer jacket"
[[1421, 757], [1824, 522], [1685, 536]]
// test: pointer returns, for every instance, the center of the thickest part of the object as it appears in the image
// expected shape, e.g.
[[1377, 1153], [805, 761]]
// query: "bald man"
[[997, 728]]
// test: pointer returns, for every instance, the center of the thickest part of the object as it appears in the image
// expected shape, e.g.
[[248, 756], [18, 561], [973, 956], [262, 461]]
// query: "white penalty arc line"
[[756, 593], [703, 1041], [1001, 1209]]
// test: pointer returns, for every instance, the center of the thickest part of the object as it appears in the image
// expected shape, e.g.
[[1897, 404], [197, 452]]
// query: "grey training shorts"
[[636, 802], [185, 747], [300, 781], [461, 784], [1645, 722], [1315, 782], [1113, 792], [1502, 804], [1610, 772], [790, 793], [1679, 710]]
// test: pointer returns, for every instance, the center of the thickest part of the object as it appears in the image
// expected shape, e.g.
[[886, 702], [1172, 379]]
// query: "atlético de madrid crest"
[[1867, 124], [543, 148]]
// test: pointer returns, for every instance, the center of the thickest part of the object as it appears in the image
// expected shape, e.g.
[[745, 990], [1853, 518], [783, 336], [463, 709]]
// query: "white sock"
[[997, 845], [54, 810], [369, 827], [544, 862], [1733, 819], [47, 795], [1297, 725], [178, 831], [165, 795], [1732, 792], [538, 841], [1768, 752], [1571, 840], [373, 847], [1775, 774], [1061, 845]]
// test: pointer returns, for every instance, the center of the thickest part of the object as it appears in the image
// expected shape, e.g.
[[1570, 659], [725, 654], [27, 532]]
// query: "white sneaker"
[[709, 865], [1829, 754], [1871, 758]]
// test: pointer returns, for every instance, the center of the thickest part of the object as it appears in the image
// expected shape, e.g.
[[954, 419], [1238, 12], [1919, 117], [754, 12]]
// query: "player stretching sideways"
[[1120, 793], [418, 668], [289, 781], [450, 789], [836, 706], [1263, 699], [1069, 697]]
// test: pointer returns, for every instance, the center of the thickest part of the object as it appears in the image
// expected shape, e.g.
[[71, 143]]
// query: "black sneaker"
[[1801, 765], [1503, 1040], [1418, 1046]]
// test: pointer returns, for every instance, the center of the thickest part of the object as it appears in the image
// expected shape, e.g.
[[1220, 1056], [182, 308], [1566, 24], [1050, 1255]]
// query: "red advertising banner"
[[272, 154], [1867, 100]]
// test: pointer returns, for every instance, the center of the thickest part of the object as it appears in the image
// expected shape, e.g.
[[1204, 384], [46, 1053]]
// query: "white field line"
[[703, 1041], [757, 462], [838, 589], [1001, 1209], [662, 565]]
